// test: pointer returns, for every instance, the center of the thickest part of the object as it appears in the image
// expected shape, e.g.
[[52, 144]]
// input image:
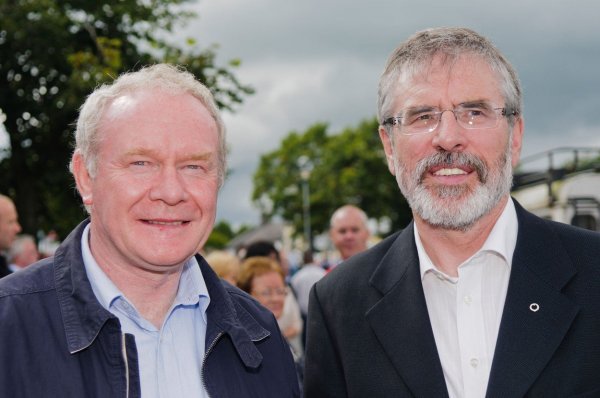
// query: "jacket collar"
[[402, 309], [526, 340], [83, 316], [227, 316], [537, 315]]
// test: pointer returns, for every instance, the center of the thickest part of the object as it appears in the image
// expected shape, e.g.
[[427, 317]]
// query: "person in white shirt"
[[476, 297]]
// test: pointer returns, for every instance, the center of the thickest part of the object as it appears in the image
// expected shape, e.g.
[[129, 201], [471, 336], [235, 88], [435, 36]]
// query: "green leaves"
[[347, 167], [53, 53]]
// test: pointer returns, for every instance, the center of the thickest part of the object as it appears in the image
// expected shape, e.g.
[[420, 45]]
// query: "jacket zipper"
[[124, 352], [210, 347]]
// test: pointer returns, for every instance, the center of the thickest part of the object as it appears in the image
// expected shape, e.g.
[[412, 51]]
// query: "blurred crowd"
[[18, 251], [263, 271]]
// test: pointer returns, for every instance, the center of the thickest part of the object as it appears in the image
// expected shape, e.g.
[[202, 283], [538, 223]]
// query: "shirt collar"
[[192, 286], [501, 240]]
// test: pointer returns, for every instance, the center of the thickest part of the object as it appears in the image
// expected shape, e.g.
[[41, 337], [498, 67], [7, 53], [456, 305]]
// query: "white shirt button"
[[474, 362], [468, 299]]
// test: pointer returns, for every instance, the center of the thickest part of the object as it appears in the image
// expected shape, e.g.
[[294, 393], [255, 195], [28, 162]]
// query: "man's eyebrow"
[[154, 153], [475, 104], [418, 109], [141, 152], [201, 156]]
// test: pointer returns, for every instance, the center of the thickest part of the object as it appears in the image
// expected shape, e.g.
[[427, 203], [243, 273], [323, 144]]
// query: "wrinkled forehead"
[[466, 77], [441, 63]]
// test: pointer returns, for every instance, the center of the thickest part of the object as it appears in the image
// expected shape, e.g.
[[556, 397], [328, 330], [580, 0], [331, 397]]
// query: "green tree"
[[221, 234], [52, 54], [348, 167]]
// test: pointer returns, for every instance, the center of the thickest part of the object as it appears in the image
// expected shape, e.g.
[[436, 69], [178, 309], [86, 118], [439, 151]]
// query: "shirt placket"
[[471, 331]]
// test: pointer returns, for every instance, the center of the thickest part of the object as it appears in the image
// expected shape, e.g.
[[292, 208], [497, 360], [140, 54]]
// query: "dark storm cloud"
[[319, 61]]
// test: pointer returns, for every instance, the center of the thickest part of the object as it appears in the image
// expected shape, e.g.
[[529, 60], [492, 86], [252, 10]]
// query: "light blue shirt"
[[170, 358]]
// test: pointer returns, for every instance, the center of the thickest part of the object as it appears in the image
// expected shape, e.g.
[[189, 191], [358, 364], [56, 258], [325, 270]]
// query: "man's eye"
[[139, 163], [475, 112], [421, 118]]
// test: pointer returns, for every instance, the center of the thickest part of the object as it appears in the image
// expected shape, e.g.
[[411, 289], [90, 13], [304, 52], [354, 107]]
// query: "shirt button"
[[468, 299], [440, 276], [474, 362]]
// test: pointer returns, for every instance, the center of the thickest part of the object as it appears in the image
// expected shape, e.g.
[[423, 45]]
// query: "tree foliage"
[[52, 54], [221, 234], [348, 167]]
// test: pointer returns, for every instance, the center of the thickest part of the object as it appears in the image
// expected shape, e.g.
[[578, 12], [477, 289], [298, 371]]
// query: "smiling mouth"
[[166, 223], [449, 172]]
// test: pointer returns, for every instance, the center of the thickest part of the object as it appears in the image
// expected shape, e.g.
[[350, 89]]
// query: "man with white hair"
[[126, 308], [22, 253]]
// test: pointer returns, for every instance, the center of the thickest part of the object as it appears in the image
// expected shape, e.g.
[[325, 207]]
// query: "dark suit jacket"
[[369, 333]]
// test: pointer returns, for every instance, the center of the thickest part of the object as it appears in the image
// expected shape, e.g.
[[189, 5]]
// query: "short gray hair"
[[341, 211], [408, 58], [18, 246], [173, 79]]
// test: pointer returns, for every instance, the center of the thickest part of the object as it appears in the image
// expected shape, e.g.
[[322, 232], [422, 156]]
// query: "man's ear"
[[386, 140], [517, 141], [83, 180]]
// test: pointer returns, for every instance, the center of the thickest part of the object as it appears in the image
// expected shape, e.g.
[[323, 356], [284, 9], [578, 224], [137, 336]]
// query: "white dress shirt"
[[465, 311]]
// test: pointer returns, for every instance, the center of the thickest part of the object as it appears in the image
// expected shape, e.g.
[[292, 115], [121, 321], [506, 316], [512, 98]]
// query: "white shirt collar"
[[501, 240]]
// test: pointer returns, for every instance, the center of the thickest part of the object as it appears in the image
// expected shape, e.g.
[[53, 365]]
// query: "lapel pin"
[[534, 307]]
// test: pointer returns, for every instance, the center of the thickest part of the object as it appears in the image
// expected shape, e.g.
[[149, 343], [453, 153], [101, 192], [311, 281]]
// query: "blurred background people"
[[225, 265], [290, 322], [302, 282], [263, 278], [48, 244], [22, 253], [348, 231], [9, 228]]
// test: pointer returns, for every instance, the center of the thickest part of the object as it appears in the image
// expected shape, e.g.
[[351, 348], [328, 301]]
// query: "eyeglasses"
[[470, 116], [268, 293]]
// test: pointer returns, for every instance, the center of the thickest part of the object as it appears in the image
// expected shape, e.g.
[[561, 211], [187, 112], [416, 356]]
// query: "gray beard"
[[455, 207]]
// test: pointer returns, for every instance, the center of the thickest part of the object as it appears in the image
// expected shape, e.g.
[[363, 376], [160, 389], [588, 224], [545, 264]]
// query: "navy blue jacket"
[[56, 340]]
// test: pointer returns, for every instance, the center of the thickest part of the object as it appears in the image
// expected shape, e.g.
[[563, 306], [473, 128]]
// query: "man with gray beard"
[[476, 297]]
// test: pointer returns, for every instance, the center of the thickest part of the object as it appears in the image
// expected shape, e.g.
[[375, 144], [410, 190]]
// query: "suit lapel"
[[401, 322], [536, 315]]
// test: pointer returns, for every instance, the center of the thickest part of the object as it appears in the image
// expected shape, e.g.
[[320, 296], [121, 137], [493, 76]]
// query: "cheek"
[[205, 194]]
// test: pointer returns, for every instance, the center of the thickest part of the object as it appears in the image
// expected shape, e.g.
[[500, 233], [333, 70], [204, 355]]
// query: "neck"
[[151, 293], [447, 248]]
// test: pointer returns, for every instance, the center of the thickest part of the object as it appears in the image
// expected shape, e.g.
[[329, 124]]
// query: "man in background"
[[9, 228], [348, 231]]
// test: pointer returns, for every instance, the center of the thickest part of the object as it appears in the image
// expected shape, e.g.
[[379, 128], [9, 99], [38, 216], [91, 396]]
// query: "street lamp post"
[[305, 169]]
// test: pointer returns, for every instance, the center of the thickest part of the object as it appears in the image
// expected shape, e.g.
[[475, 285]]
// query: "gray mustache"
[[452, 159]]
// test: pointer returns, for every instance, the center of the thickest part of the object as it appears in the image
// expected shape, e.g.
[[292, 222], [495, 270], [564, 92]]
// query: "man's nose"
[[169, 187], [449, 135]]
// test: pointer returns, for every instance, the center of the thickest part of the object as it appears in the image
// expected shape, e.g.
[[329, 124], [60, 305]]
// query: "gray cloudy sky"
[[319, 60]]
